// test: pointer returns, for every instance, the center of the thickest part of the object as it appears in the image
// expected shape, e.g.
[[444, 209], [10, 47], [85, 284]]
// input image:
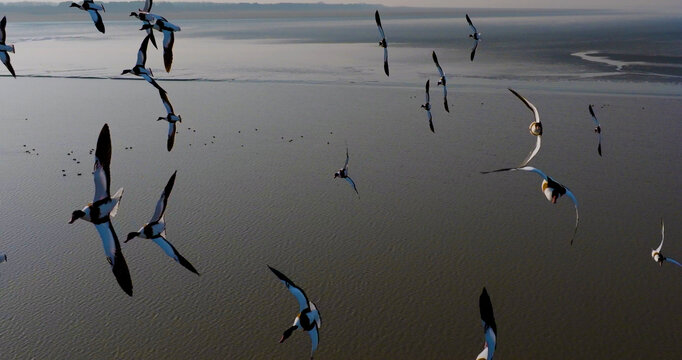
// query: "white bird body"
[[657, 255]]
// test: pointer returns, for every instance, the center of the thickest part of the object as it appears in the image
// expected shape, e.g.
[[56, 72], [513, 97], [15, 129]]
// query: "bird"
[[92, 8], [4, 48], [427, 106], [597, 129], [552, 190], [139, 68], [3, 257], [155, 229], [343, 174], [383, 42], [308, 318], [103, 208], [168, 29], [535, 128], [441, 81], [657, 255], [172, 119], [476, 36], [489, 326], [142, 15]]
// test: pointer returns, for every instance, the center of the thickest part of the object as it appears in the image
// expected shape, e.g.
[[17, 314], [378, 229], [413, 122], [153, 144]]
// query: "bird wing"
[[314, 338], [658, 250], [386, 61], [471, 24], [352, 183], [166, 102], [170, 250], [97, 19], [345, 166], [488, 320], [577, 216], [528, 104], [4, 57], [147, 6], [112, 248], [298, 293], [484, 354], [673, 261], [594, 117], [445, 98], [435, 59], [525, 168], [142, 53], [168, 40], [427, 97], [378, 20], [152, 81], [163, 200], [532, 154], [3, 34], [171, 136], [428, 115], [473, 50], [102, 162]]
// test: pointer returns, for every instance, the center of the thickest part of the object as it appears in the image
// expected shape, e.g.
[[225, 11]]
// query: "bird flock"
[[105, 206]]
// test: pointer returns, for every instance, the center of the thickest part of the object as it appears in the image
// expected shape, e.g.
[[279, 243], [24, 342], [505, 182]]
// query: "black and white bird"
[[155, 229], [427, 106], [382, 42], [657, 255], [535, 128], [597, 129], [489, 326], [476, 36], [4, 48], [308, 317], [441, 81], [139, 68], [142, 15], [552, 190], [103, 208], [343, 174], [92, 9], [172, 119]]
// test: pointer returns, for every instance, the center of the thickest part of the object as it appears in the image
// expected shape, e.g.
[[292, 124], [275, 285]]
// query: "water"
[[396, 273]]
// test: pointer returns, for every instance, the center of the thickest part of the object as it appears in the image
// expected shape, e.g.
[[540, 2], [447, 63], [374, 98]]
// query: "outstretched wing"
[[3, 34], [534, 152], [4, 57], [378, 20], [102, 161], [168, 40], [488, 320], [445, 98], [170, 250], [596, 123], [386, 61], [314, 338], [352, 183], [97, 19], [473, 50], [426, 87], [112, 249], [528, 104], [525, 168], [435, 59], [345, 166], [673, 261], [163, 200], [142, 53], [171, 136], [577, 216], [658, 250], [428, 116], [473, 28], [147, 6], [298, 293]]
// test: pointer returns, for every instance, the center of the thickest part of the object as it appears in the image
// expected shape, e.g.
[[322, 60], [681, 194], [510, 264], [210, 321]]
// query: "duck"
[[139, 68], [427, 106], [4, 48], [382, 42], [141, 14], [657, 255], [172, 119], [308, 318], [103, 208], [343, 174], [550, 188], [441, 81], [597, 129], [168, 30], [155, 229], [535, 128], [92, 8], [489, 326], [476, 36]]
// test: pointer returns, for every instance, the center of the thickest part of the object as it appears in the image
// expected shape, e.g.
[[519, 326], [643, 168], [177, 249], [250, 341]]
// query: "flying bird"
[[4, 48], [142, 15], [552, 190], [441, 81], [103, 208], [489, 326], [535, 128], [172, 119], [343, 174], [168, 29], [597, 129], [383, 42], [139, 68], [476, 36], [657, 255], [92, 8], [155, 229], [308, 317], [427, 106]]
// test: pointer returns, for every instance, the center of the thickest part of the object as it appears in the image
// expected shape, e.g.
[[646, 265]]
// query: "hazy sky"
[[675, 5]]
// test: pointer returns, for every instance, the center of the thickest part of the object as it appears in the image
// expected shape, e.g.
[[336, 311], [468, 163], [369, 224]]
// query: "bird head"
[[132, 235], [125, 71], [77, 214], [73, 4], [287, 333], [135, 14]]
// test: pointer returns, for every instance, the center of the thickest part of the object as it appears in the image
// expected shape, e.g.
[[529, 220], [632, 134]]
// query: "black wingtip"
[[122, 274], [386, 68]]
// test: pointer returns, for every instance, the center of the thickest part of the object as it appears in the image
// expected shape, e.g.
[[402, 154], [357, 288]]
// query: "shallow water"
[[396, 273]]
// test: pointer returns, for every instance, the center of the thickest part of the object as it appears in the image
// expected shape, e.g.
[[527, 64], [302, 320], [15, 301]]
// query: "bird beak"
[[282, 339], [554, 199]]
